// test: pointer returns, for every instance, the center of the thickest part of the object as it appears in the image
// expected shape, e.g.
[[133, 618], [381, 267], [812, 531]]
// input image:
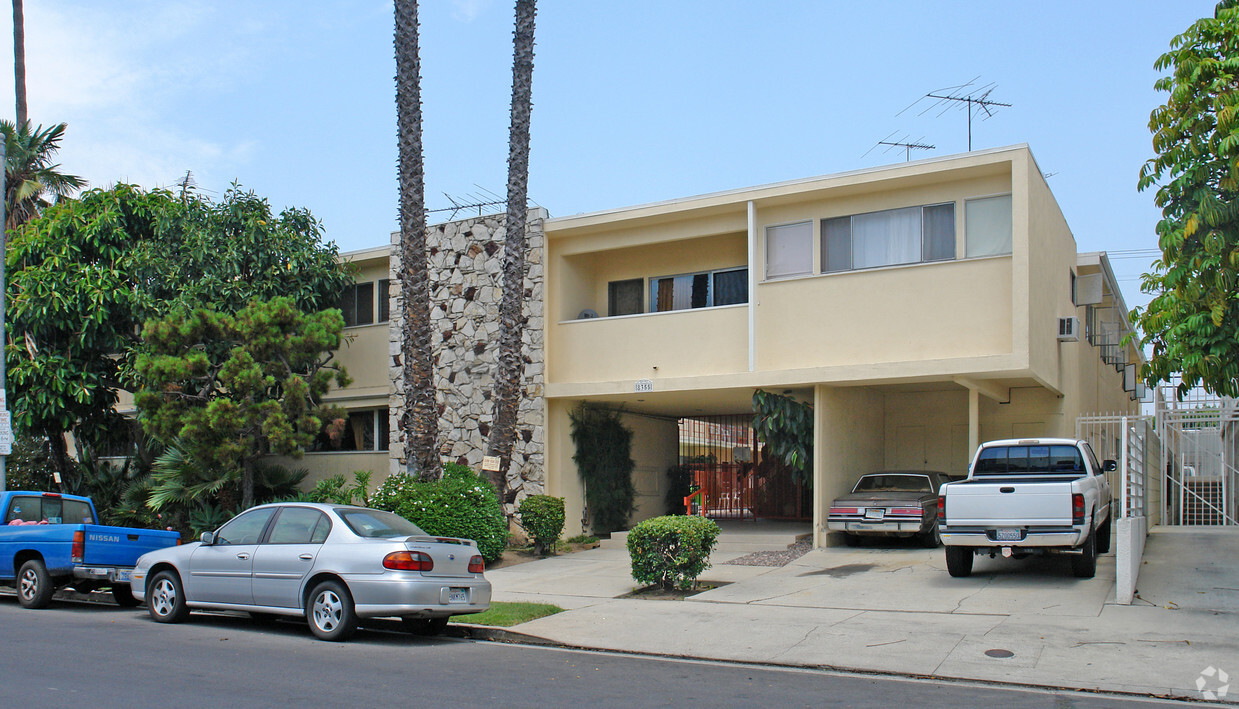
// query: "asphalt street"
[[81, 654]]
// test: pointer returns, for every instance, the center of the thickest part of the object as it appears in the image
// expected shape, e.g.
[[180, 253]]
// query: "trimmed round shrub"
[[460, 504], [542, 518], [672, 551]]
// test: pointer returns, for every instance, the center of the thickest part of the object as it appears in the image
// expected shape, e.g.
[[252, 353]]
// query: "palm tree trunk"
[[511, 365], [420, 422], [19, 61], [247, 483]]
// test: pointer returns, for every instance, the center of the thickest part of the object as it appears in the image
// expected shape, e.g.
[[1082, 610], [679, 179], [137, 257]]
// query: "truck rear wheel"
[[124, 597], [1103, 538], [34, 585], [959, 561], [1084, 566]]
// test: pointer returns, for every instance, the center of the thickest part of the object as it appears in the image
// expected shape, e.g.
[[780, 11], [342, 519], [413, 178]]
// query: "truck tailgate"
[[121, 546], [997, 503]]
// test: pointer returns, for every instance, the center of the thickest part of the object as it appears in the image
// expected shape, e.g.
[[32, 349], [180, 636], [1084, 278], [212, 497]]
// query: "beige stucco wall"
[[655, 448], [321, 466], [849, 441], [899, 314]]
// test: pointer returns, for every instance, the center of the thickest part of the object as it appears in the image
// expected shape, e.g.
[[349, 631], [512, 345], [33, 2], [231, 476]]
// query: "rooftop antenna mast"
[[186, 184], [907, 145], [474, 200], [972, 98]]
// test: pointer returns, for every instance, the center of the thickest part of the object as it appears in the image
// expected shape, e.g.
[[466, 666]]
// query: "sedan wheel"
[[165, 600], [330, 613]]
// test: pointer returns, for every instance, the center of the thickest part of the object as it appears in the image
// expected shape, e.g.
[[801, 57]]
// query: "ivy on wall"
[[604, 462]]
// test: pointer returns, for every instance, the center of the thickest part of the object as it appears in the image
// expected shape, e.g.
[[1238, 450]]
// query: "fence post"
[[1123, 457]]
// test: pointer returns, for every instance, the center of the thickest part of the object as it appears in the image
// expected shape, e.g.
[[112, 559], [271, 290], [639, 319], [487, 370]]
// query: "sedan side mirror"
[[1109, 466], [207, 539]]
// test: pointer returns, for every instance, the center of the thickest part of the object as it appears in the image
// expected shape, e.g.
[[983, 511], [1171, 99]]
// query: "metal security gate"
[[1200, 475], [738, 482]]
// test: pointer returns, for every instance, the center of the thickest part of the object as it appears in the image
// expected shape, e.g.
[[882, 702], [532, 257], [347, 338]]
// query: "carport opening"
[[724, 459]]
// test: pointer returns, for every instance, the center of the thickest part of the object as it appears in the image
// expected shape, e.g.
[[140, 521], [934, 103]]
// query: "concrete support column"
[[974, 420], [849, 428]]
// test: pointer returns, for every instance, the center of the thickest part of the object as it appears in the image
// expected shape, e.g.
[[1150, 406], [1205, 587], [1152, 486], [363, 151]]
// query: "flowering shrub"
[[672, 551], [542, 517], [460, 504]]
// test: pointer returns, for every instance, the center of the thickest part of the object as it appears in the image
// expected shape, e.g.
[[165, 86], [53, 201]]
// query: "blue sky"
[[634, 101]]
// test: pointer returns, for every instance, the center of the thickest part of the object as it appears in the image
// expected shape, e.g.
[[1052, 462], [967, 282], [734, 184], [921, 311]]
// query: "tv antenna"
[[479, 200], [973, 99], [907, 145]]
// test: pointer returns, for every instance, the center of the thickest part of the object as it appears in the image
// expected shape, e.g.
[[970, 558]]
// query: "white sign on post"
[[6, 433]]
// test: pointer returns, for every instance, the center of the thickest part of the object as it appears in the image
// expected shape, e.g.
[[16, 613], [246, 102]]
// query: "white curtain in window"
[[988, 224], [885, 238], [789, 250]]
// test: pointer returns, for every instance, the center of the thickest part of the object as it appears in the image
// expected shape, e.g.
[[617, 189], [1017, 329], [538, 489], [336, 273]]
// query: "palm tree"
[[420, 421], [19, 60], [30, 176], [511, 365]]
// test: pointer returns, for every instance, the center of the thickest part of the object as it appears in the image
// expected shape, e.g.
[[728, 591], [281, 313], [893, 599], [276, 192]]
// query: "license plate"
[[874, 513], [458, 595], [1009, 535], [123, 575]]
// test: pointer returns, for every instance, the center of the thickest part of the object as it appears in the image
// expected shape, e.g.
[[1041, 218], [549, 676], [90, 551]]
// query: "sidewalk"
[[896, 610]]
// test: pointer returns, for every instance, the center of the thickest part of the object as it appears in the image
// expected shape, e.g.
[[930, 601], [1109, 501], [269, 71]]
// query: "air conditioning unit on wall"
[[1069, 329]]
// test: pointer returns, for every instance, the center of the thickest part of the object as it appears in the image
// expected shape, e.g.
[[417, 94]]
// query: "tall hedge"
[[604, 462], [460, 504]]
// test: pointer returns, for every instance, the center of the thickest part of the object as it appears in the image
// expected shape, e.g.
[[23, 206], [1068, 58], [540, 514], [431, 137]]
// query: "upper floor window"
[[789, 250], [987, 223], [699, 290], [626, 297], [358, 304], [889, 238]]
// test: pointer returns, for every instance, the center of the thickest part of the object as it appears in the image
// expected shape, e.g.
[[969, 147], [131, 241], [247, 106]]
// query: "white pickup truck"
[[1046, 495]]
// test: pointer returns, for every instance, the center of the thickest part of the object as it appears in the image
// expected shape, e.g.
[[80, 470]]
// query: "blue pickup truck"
[[48, 540]]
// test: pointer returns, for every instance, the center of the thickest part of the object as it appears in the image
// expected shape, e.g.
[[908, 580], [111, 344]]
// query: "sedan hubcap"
[[327, 609], [30, 585], [164, 597]]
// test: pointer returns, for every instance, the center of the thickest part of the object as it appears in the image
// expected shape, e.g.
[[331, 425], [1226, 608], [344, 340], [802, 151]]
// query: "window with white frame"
[[987, 225], [889, 238], [699, 290], [789, 250]]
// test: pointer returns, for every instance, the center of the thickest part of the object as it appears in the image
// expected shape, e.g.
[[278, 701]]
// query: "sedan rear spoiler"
[[427, 539]]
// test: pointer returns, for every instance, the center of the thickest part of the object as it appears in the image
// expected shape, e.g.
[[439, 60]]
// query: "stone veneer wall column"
[[466, 274]]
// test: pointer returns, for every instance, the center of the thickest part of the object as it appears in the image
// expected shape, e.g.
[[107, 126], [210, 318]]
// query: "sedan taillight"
[[408, 561], [475, 564]]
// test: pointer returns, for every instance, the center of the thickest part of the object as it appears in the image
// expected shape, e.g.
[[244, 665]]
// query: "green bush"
[[460, 504], [542, 518], [604, 463], [671, 551]]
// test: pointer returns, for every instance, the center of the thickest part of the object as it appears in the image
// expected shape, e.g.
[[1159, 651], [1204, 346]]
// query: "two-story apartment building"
[[917, 307]]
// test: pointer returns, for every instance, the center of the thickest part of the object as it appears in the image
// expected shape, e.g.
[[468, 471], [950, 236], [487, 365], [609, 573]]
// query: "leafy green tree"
[[74, 305], [236, 250], [86, 274], [235, 388], [30, 176], [511, 363], [1192, 322], [420, 422]]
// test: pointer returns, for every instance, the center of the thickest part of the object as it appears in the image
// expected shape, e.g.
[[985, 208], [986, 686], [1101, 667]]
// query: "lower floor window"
[[363, 430]]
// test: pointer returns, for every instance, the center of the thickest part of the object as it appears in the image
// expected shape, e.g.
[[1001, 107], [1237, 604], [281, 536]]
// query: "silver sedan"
[[331, 564]]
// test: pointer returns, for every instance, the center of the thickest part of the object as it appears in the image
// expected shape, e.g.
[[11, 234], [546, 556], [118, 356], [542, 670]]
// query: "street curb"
[[502, 635]]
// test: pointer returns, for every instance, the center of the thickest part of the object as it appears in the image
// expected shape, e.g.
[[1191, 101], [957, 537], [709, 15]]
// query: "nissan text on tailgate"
[[1028, 496]]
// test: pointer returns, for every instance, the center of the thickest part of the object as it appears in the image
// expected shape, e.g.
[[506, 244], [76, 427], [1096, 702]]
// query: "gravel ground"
[[774, 558]]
